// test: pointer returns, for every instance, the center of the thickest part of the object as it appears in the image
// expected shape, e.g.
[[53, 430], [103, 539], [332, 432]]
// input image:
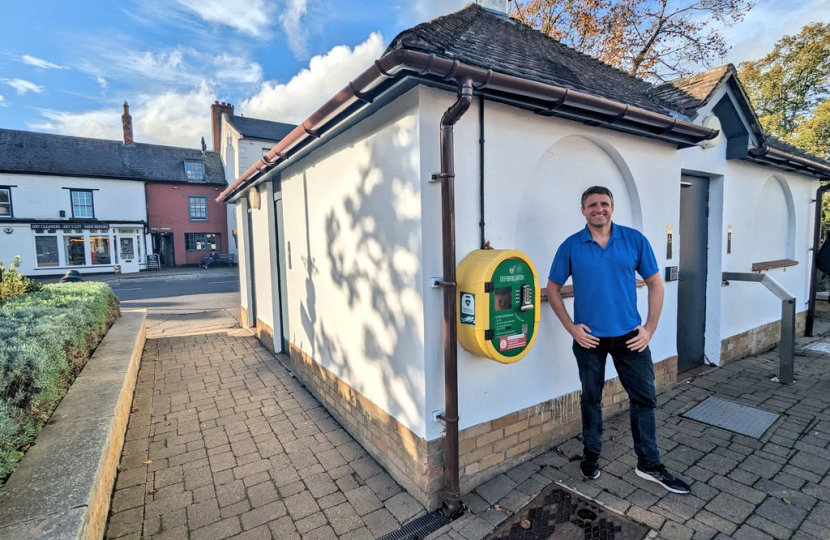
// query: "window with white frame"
[[5, 202], [198, 208], [195, 170], [82, 204]]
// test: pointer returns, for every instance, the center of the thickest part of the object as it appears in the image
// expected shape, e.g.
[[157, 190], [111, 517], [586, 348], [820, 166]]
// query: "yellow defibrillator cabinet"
[[498, 304]]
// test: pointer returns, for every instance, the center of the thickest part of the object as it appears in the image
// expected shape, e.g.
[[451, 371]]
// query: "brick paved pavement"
[[744, 488], [224, 443]]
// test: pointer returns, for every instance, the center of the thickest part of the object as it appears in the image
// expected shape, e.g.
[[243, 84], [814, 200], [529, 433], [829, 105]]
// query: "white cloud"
[[174, 119], [252, 17], [180, 67], [40, 62], [768, 22], [102, 82], [23, 86], [326, 74], [3, 101], [294, 28]]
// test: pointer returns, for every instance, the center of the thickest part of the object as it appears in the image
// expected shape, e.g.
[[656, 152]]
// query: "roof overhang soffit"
[[738, 121]]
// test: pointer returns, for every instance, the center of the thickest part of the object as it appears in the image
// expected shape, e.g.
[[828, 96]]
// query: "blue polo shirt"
[[605, 287]]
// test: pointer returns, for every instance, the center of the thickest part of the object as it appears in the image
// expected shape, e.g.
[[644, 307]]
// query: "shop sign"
[[66, 225]]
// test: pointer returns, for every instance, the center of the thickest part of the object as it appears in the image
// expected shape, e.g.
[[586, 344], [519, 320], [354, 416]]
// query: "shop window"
[[195, 170], [5, 202], [198, 208], [200, 241], [99, 250], [46, 250], [74, 250], [82, 204]]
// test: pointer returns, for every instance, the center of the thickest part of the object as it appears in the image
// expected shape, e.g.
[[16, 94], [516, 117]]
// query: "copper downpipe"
[[452, 490]]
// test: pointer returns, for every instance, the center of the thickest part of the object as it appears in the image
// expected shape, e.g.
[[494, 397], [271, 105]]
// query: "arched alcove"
[[551, 199], [773, 222]]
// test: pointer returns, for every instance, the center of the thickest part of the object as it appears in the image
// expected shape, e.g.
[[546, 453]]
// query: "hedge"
[[46, 338]]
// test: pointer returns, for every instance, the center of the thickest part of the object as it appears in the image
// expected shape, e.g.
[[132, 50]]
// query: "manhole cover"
[[735, 417], [561, 514], [819, 346]]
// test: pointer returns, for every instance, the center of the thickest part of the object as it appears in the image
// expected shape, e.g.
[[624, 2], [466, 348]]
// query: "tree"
[[790, 86], [651, 39]]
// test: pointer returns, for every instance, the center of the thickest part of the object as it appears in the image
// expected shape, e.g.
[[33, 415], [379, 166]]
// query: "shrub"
[[46, 337], [13, 283]]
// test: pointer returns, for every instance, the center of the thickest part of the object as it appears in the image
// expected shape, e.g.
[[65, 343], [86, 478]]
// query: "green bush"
[[46, 338], [13, 283]]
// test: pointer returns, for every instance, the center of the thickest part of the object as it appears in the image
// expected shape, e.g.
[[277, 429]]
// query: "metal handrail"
[[787, 345]]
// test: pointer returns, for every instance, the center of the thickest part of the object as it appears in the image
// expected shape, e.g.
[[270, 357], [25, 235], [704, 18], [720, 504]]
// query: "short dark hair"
[[597, 190]]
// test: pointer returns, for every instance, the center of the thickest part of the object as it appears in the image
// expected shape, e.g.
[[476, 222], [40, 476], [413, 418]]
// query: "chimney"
[[216, 111], [127, 125], [500, 7]]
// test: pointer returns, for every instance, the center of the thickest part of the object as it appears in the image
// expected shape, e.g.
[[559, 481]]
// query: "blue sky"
[[67, 66]]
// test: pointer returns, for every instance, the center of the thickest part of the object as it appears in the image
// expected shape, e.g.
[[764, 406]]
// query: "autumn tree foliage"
[[650, 39], [790, 89]]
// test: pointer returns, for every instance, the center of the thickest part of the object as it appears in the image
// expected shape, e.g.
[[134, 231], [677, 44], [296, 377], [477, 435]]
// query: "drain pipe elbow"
[[452, 506]]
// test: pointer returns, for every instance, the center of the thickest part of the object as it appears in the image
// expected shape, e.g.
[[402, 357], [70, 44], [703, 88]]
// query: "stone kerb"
[[62, 488]]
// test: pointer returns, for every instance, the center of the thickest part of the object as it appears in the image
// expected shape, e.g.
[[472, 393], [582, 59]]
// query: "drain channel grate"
[[731, 416], [418, 529], [560, 514]]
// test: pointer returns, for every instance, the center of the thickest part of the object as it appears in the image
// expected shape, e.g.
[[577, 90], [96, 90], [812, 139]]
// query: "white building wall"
[[41, 197], [265, 259], [353, 242], [241, 215], [536, 169], [771, 215]]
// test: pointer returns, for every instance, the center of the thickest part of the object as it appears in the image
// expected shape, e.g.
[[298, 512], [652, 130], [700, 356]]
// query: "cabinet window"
[[82, 204], [5, 202], [201, 241], [195, 170], [46, 249], [198, 208]]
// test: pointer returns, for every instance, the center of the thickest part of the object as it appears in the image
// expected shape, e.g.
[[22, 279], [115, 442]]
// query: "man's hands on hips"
[[640, 341], [581, 335]]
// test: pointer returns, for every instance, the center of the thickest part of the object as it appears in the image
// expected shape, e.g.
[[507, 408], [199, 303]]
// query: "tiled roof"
[[478, 37], [45, 153], [689, 94], [253, 128]]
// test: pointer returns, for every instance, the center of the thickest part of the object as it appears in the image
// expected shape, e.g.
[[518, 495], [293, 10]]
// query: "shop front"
[[87, 247]]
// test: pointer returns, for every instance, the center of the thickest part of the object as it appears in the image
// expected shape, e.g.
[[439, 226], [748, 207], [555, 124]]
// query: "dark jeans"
[[636, 373]]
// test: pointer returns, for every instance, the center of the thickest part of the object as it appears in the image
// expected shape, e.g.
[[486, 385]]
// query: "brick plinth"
[[265, 334], [485, 450], [757, 340]]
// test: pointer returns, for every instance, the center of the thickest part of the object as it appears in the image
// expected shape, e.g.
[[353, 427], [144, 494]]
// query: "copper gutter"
[[776, 157], [546, 98], [452, 490]]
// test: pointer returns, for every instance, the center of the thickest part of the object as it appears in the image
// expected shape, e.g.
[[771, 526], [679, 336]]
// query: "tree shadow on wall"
[[374, 252]]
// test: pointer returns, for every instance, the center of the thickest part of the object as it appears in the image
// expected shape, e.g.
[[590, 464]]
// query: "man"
[[602, 259], [212, 257]]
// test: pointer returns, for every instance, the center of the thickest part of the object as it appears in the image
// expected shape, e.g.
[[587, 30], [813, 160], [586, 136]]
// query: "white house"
[[341, 244], [240, 142], [65, 203]]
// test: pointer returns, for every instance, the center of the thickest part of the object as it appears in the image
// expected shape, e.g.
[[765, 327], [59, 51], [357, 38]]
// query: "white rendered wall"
[[353, 242], [771, 215], [265, 266], [535, 171], [43, 197], [244, 266]]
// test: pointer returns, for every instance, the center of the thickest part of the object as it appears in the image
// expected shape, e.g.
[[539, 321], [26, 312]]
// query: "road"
[[182, 306]]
